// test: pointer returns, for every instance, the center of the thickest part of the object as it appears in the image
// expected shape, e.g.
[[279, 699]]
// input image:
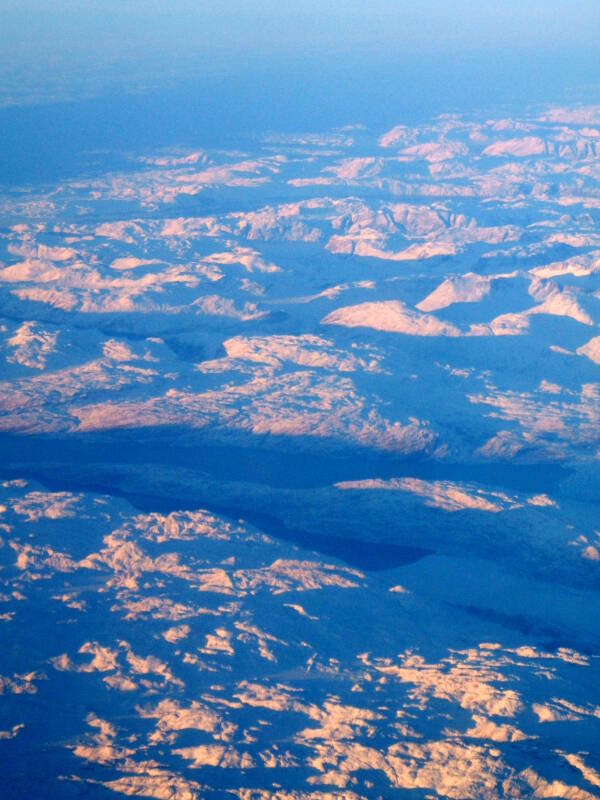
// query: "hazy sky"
[[58, 32], [124, 74]]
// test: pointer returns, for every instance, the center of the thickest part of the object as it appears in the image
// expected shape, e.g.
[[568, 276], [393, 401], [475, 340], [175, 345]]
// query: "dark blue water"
[[104, 464], [309, 466]]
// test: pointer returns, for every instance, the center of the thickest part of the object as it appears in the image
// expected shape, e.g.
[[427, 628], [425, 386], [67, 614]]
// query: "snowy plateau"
[[300, 468]]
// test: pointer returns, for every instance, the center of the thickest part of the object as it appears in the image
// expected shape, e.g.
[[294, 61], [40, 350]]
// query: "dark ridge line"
[[551, 637], [299, 464]]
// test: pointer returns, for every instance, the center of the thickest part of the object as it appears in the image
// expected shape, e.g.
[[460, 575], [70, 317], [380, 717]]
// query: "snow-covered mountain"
[[300, 468]]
